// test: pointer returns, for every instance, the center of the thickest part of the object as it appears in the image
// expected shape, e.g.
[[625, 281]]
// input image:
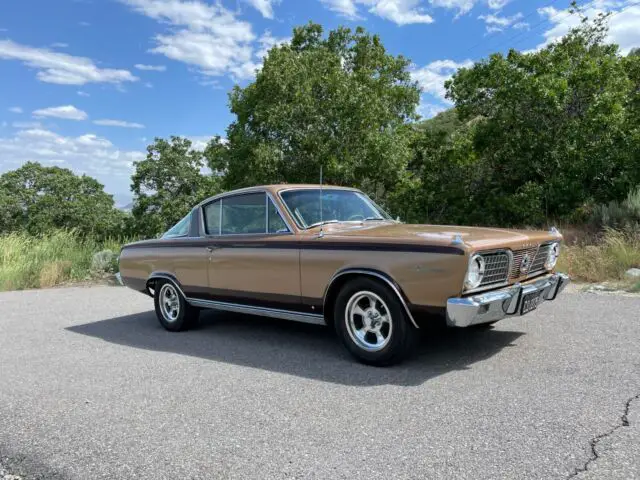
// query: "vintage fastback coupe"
[[330, 255]]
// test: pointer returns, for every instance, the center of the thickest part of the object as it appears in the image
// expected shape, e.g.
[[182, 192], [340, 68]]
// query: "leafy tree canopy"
[[167, 184], [39, 199], [545, 134], [339, 101]]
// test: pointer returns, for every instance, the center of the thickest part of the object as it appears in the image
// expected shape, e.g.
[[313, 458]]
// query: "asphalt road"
[[91, 387]]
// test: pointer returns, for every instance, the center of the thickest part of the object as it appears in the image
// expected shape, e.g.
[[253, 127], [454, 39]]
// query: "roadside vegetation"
[[534, 138], [607, 258], [47, 260]]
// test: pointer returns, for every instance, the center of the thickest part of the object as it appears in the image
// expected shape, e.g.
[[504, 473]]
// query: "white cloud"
[[118, 123], [401, 12], [203, 35], [15, 110], [431, 77], [61, 68], [4, 29], [83, 93], [84, 24], [150, 68], [265, 7], [497, 4], [66, 112], [86, 154], [430, 110], [623, 27], [346, 8], [59, 45], [496, 23], [462, 6], [23, 125]]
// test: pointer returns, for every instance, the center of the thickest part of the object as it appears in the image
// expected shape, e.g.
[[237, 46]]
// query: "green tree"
[[553, 127], [167, 184], [39, 199], [339, 101]]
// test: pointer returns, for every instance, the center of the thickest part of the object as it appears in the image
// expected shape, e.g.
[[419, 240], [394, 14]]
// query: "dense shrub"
[[619, 215]]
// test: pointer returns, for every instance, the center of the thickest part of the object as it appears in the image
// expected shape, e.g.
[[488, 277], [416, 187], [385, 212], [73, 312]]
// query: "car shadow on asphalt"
[[298, 349]]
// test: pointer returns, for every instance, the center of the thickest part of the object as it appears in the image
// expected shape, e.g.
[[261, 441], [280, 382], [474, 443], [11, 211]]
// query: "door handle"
[[212, 248]]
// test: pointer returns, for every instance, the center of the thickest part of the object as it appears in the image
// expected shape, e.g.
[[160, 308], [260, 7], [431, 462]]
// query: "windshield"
[[337, 206]]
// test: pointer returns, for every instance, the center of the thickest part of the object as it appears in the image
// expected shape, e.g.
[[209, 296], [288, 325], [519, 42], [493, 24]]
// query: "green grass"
[[48, 260], [606, 259]]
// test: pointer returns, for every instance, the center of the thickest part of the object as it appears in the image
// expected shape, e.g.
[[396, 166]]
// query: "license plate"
[[530, 302]]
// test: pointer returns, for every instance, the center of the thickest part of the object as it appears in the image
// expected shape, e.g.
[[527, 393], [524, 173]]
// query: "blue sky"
[[87, 84]]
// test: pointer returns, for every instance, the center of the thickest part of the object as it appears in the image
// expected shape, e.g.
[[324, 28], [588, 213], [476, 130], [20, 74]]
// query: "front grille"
[[537, 257], [496, 268]]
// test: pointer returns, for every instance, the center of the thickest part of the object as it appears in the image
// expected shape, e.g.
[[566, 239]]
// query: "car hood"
[[474, 238]]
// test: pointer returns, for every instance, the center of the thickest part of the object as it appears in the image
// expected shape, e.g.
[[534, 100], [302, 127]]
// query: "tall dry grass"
[[48, 260], [608, 258]]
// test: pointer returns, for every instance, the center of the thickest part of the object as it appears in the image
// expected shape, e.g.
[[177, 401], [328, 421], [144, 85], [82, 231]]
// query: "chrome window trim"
[[221, 197], [311, 318], [341, 189]]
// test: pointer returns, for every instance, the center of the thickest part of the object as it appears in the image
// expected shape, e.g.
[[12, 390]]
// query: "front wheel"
[[172, 310], [372, 323]]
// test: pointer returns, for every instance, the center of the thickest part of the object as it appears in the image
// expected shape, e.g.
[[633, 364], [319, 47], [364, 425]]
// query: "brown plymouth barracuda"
[[331, 256]]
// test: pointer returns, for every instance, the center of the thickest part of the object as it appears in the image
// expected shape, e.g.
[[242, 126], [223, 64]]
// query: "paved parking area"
[[92, 387]]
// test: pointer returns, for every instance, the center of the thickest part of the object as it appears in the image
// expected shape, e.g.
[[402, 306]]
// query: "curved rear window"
[[180, 229]]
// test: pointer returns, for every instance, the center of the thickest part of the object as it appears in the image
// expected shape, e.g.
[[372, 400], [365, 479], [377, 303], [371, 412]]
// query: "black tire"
[[401, 337], [185, 315]]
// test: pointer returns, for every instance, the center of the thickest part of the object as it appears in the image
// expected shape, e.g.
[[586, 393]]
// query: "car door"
[[254, 258]]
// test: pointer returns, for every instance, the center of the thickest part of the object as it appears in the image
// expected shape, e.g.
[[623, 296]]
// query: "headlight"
[[552, 256], [475, 272]]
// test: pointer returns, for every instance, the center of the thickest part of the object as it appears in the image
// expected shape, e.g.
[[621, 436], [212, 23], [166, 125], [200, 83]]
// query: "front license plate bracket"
[[530, 302]]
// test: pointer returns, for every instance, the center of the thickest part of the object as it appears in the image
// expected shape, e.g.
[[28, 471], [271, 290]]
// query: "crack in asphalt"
[[624, 422]]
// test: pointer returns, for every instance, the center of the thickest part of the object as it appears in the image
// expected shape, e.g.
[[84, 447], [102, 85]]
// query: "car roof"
[[274, 189]]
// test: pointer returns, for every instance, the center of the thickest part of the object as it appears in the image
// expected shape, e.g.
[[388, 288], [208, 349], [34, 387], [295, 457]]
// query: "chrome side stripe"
[[312, 318]]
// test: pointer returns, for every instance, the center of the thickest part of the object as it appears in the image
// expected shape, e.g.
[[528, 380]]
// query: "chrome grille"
[[496, 268], [537, 255]]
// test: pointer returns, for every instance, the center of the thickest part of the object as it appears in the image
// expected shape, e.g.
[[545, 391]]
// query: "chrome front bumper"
[[119, 279], [498, 304]]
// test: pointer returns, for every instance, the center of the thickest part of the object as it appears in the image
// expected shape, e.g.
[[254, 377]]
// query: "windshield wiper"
[[376, 219], [324, 222]]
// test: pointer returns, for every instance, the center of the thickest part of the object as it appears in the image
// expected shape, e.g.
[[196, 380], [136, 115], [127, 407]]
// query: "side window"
[[180, 229], [274, 220], [244, 214], [212, 218]]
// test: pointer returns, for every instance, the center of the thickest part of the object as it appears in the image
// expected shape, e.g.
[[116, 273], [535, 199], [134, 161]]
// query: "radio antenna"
[[321, 225]]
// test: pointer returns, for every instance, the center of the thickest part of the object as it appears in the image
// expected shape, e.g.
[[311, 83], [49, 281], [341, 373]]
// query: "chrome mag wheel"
[[169, 302], [369, 321]]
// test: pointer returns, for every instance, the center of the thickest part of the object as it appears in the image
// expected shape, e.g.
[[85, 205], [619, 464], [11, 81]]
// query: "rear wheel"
[[372, 323], [172, 310]]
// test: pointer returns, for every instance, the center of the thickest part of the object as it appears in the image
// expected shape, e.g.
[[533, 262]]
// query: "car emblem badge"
[[524, 264]]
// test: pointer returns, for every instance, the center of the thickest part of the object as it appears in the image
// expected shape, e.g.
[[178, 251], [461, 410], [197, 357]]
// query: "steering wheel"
[[355, 217]]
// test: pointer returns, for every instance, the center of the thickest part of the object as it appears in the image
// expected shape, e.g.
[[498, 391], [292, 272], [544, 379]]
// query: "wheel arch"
[[344, 276], [155, 276]]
